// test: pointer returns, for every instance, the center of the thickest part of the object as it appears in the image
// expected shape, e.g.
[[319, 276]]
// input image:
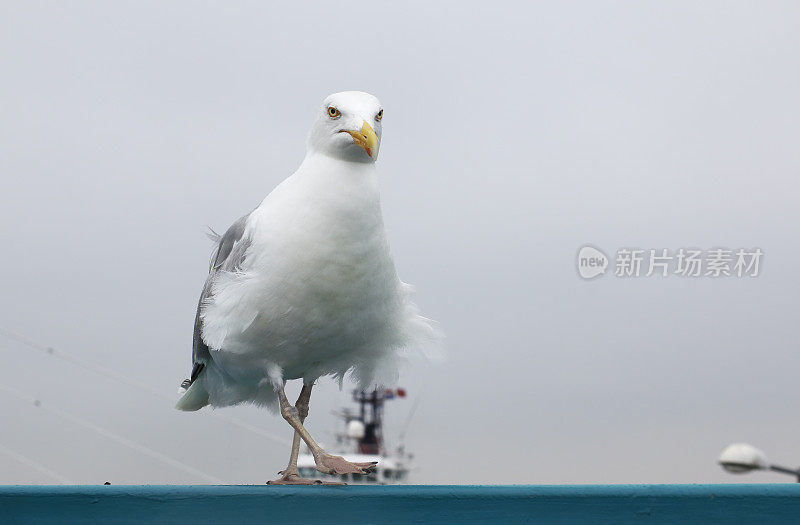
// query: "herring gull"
[[304, 286]]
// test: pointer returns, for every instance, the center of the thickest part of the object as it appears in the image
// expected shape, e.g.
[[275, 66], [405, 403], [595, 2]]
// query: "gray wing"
[[230, 250], [228, 255]]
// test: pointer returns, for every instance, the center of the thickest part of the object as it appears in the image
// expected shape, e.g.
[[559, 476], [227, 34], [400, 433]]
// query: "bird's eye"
[[333, 112], [379, 116]]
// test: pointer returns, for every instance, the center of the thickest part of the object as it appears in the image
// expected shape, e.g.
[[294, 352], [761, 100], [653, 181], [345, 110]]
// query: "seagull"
[[305, 286]]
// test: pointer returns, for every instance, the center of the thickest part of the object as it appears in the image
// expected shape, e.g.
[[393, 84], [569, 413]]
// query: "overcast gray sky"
[[513, 134]]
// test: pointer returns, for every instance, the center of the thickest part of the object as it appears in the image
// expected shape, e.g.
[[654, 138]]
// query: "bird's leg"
[[326, 463], [291, 476], [302, 412]]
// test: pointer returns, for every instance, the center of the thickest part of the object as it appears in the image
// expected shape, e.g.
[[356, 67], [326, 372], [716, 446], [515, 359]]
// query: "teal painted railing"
[[596, 504]]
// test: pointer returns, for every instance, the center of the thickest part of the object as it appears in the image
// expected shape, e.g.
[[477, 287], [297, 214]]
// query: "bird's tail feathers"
[[194, 396]]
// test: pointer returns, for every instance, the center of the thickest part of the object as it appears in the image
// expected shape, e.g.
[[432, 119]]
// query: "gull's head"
[[348, 127]]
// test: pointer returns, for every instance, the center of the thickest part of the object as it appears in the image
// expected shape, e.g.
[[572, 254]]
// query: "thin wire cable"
[[410, 415], [414, 407], [88, 365], [35, 465], [138, 447]]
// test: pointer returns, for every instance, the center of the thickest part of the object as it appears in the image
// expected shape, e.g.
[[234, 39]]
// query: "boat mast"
[[371, 415]]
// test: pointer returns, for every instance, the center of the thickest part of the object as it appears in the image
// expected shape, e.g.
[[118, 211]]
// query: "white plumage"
[[308, 287]]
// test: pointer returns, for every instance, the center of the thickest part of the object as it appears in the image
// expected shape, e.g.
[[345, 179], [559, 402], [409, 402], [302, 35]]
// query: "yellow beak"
[[365, 138]]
